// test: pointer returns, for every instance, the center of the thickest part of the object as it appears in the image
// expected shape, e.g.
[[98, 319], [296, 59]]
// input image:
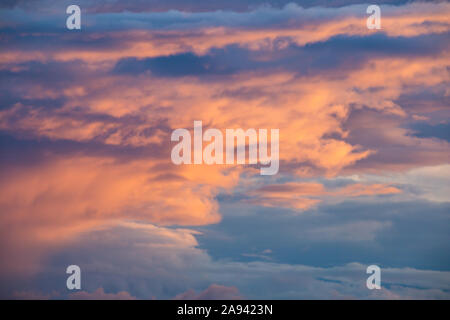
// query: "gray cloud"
[[150, 262]]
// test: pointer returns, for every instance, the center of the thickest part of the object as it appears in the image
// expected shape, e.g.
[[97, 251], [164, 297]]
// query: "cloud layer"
[[85, 124]]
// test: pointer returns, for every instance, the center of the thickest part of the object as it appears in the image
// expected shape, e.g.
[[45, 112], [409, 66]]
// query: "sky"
[[86, 176]]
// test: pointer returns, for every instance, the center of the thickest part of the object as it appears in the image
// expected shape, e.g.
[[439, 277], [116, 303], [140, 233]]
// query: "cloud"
[[185, 5], [100, 294], [47, 204], [30, 295], [357, 189], [381, 230], [142, 261], [354, 231], [213, 292], [425, 130], [428, 183], [339, 52], [86, 170], [396, 148], [160, 34], [302, 196], [176, 65]]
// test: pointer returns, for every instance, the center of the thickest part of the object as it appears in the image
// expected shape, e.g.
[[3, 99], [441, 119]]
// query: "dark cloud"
[[429, 101], [213, 292], [151, 262], [218, 62], [395, 234], [426, 130], [395, 147], [380, 44], [176, 65], [25, 150], [182, 5], [337, 54], [35, 76]]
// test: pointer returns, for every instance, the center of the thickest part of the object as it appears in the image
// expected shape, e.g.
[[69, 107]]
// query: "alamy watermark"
[[74, 20], [374, 20], [74, 280], [373, 281], [213, 153]]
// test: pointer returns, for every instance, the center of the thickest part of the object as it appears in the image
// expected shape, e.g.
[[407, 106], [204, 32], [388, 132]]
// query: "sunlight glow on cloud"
[[86, 118]]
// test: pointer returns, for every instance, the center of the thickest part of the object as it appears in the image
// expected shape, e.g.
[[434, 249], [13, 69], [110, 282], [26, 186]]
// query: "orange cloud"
[[358, 189], [409, 20], [309, 111], [305, 195], [44, 206]]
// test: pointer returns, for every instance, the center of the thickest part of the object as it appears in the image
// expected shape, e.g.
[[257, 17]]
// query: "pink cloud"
[[100, 294], [213, 292]]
